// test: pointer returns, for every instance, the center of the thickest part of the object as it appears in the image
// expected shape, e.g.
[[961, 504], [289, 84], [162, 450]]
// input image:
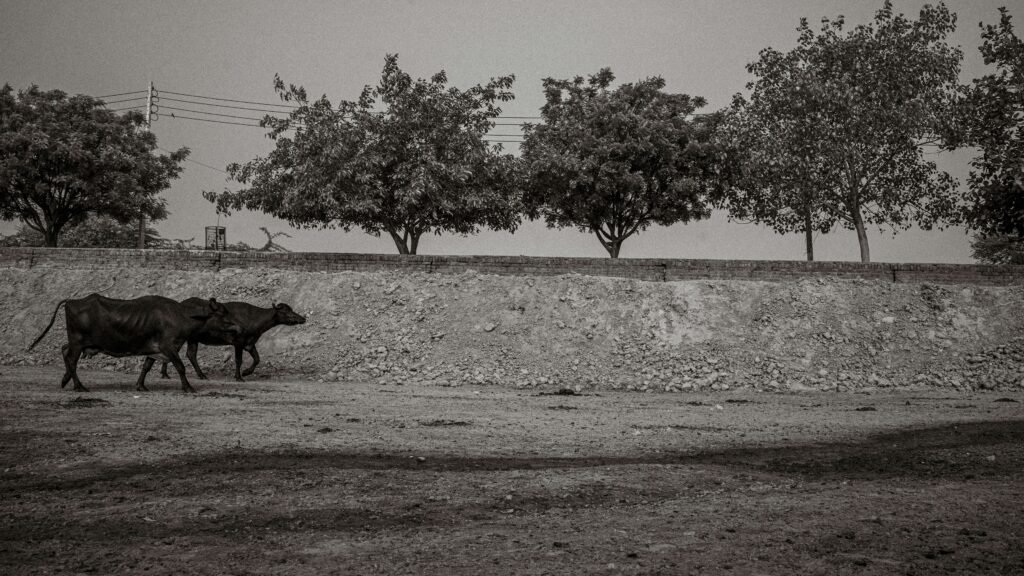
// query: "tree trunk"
[[862, 235], [50, 236], [613, 247], [406, 243], [399, 242], [809, 236], [610, 242]]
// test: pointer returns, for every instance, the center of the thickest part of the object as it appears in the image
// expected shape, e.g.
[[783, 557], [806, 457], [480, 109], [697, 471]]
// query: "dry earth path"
[[300, 477]]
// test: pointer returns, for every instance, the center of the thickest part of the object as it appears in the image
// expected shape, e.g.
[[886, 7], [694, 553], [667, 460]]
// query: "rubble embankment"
[[572, 331]]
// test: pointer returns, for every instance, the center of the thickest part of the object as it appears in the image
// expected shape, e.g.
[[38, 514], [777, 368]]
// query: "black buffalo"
[[151, 326], [252, 321]]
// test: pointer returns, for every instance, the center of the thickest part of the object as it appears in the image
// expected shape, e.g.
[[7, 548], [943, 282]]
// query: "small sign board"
[[216, 238]]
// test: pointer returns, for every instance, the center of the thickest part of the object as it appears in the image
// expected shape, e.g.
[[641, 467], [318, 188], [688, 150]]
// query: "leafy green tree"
[[842, 122], [64, 158], [613, 162], [998, 249], [407, 158], [106, 232], [994, 113], [774, 176], [94, 232]]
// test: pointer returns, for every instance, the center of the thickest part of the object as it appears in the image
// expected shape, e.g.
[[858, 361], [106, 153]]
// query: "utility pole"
[[149, 116]]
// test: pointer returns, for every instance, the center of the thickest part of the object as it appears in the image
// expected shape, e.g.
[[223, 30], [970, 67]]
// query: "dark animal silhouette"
[[151, 326], [253, 322]]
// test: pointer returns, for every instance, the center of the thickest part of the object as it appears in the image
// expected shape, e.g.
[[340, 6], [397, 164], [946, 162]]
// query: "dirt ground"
[[278, 476]]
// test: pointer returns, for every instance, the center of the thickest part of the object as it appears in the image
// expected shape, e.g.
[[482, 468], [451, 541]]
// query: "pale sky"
[[232, 49]]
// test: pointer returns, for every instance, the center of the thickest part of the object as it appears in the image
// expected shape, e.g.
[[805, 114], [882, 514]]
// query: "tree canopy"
[[93, 232], [840, 125], [408, 157], [994, 114], [773, 173], [613, 162], [65, 158]]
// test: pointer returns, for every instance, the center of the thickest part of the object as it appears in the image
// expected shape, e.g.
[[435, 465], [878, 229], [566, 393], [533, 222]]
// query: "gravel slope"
[[573, 331]]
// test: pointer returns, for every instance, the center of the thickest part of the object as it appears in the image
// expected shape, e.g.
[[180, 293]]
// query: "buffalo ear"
[[212, 308]]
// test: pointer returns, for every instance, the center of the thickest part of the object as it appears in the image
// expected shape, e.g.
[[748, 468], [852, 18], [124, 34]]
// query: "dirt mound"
[[577, 332]]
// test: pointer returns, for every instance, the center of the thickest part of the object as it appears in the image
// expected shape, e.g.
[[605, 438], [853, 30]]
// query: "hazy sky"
[[232, 49]]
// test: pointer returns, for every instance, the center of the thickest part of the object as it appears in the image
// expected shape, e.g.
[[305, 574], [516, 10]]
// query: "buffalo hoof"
[[188, 390], [239, 379], [142, 389], [79, 388]]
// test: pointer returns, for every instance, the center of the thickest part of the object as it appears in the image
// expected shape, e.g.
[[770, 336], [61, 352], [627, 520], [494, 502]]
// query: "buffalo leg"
[[180, 367], [71, 355], [251, 349], [67, 366], [163, 371], [141, 384], [193, 349], [238, 363]]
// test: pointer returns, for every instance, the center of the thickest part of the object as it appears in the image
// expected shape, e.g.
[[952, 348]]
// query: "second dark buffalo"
[[253, 322]]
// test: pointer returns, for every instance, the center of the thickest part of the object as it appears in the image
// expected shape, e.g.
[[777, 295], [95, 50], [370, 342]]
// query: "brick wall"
[[657, 270]]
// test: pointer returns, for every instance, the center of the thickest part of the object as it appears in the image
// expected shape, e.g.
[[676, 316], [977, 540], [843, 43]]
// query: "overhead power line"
[[213, 113], [121, 94], [229, 99], [180, 117], [222, 105], [187, 159], [105, 103]]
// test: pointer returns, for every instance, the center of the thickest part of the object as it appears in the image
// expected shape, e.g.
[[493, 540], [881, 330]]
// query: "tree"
[[994, 112], [65, 158], [774, 175], [842, 122], [272, 246], [106, 232], [613, 162], [408, 157], [94, 232], [998, 249]]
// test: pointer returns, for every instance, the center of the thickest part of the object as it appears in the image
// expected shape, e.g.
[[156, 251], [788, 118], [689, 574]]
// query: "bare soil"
[[286, 476]]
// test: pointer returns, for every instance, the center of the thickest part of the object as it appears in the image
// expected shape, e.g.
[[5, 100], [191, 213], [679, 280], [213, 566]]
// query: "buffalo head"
[[283, 314]]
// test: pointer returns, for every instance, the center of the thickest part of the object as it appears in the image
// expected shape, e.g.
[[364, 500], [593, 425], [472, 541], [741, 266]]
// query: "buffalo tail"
[[48, 326]]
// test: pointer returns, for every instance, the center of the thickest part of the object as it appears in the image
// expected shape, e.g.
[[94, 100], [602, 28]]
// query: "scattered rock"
[[597, 333]]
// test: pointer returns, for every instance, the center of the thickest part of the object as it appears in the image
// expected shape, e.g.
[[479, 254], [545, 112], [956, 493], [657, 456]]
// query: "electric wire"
[[216, 113], [180, 117], [187, 159], [229, 100], [105, 103], [121, 94], [222, 105]]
